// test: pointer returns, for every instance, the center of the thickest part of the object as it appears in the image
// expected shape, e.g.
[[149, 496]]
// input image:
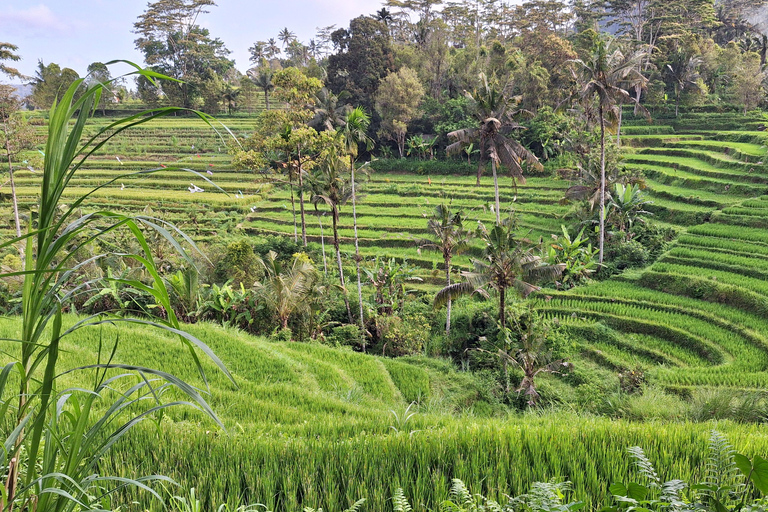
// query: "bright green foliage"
[[58, 436], [576, 254], [397, 102], [286, 290], [627, 206], [508, 262]]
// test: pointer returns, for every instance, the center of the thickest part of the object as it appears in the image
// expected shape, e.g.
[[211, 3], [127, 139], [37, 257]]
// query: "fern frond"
[[720, 469], [400, 502], [355, 507], [645, 467]]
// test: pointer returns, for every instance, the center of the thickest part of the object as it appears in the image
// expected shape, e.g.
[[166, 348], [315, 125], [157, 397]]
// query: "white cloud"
[[38, 19]]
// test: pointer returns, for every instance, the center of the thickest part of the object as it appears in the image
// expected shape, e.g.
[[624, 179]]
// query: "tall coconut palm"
[[329, 186], [352, 135], [449, 237], [507, 262], [271, 49], [286, 289], [602, 77], [286, 37], [494, 114]]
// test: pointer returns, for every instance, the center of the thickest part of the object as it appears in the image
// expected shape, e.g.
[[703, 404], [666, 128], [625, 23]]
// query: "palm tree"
[[682, 71], [329, 187], [383, 15], [353, 134], [271, 49], [602, 77], [450, 238], [286, 37], [329, 115], [495, 122], [263, 79], [286, 290], [258, 52], [506, 263], [230, 96]]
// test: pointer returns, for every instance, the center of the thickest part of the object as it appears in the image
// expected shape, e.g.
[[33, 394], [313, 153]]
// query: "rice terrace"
[[444, 256]]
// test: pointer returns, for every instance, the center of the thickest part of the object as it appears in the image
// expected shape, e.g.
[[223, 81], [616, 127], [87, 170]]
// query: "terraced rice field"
[[391, 209], [699, 315]]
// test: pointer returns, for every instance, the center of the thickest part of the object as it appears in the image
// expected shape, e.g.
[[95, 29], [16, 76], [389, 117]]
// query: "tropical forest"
[[446, 256]]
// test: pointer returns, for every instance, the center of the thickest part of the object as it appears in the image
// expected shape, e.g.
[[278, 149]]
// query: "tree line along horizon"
[[523, 90]]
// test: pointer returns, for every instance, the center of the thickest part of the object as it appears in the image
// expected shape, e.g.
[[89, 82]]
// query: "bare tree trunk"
[[618, 129], [502, 307], [338, 261], [448, 305], [602, 182], [322, 242], [13, 190], [301, 204], [357, 247], [496, 191], [266, 98], [293, 209]]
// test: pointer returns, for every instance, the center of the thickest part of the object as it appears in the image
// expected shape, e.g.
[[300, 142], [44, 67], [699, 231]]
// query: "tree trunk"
[[13, 190], [448, 283], [266, 98], [618, 129], [479, 164], [301, 203], [496, 191], [602, 182], [338, 261], [357, 247], [502, 307], [677, 102], [322, 242], [293, 209]]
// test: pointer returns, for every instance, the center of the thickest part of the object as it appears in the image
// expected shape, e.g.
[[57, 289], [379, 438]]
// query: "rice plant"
[[59, 435]]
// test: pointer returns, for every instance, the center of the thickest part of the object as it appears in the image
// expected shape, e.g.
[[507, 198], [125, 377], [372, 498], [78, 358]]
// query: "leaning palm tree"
[[285, 290], [493, 111], [353, 134], [507, 262], [602, 77], [449, 237]]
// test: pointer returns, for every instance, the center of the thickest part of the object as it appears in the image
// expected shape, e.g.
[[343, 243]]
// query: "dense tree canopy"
[[173, 44]]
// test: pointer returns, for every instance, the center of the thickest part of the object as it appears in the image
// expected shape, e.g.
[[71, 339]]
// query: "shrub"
[[238, 264], [348, 335]]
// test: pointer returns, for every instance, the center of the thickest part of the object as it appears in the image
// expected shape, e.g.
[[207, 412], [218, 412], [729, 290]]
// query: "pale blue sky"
[[74, 33]]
